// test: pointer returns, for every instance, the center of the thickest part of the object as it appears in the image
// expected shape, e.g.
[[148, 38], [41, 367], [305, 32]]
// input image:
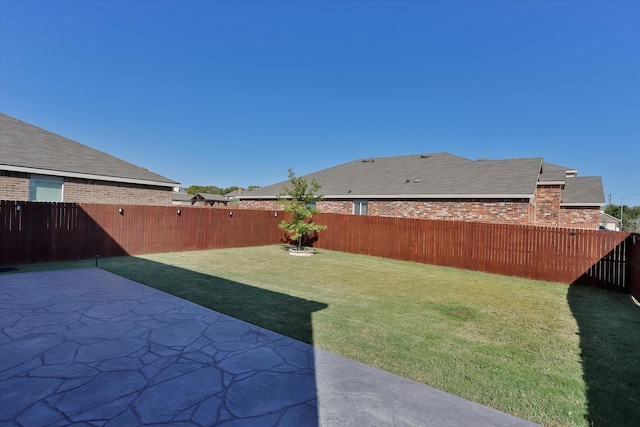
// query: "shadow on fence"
[[40, 232], [43, 232]]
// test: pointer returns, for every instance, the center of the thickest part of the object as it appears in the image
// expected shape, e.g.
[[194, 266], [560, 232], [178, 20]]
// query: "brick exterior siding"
[[547, 205], [335, 206], [15, 186], [587, 218], [267, 205], [544, 210], [477, 211]]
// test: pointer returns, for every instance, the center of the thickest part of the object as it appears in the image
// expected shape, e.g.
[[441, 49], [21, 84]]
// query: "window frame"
[[33, 186], [358, 204]]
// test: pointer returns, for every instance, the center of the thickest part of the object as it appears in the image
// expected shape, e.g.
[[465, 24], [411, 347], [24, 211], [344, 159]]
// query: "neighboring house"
[[38, 165], [235, 193], [444, 186], [232, 197], [209, 199], [181, 198], [608, 222]]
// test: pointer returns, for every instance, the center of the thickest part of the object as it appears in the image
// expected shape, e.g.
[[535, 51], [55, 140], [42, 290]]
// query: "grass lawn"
[[546, 352]]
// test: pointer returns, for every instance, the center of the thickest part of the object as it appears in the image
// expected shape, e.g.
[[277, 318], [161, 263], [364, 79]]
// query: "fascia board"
[[550, 183], [405, 196], [87, 176], [430, 196], [590, 205]]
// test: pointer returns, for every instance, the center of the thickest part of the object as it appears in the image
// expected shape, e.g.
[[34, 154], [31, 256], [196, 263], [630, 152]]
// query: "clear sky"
[[236, 92]]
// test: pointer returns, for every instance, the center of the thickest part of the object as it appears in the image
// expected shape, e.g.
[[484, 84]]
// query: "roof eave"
[[551, 183], [405, 196], [586, 205], [88, 176]]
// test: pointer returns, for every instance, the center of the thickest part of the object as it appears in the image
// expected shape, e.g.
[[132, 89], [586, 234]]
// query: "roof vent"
[[416, 181], [367, 160], [407, 181], [425, 156]]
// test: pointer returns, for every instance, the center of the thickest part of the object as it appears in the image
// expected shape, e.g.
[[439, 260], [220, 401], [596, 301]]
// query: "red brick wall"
[[545, 211], [336, 206], [497, 212], [15, 186], [269, 205], [547, 205], [580, 217], [478, 211]]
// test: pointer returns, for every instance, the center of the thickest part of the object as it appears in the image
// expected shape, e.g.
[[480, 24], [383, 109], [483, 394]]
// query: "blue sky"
[[236, 92]]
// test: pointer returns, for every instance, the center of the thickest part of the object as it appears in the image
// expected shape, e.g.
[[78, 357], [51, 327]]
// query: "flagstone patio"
[[88, 347]]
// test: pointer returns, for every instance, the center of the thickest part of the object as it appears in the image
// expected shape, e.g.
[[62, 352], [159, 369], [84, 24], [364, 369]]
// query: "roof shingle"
[[24, 147], [443, 175], [436, 175]]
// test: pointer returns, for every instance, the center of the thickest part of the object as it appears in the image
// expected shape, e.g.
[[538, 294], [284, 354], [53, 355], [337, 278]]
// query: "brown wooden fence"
[[552, 254], [39, 232]]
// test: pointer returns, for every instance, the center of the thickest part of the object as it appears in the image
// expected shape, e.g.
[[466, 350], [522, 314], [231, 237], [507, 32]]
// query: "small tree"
[[299, 201]]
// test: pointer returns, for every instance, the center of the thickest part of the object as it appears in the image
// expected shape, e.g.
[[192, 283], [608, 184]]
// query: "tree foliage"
[[630, 216], [299, 201]]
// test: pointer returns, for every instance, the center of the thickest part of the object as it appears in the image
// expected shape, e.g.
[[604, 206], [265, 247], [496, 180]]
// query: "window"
[[45, 189], [360, 207]]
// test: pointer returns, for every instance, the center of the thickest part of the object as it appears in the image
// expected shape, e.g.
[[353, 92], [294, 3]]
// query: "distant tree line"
[[212, 189], [630, 216]]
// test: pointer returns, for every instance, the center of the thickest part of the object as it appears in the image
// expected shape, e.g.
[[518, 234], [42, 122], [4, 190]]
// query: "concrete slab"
[[89, 347]]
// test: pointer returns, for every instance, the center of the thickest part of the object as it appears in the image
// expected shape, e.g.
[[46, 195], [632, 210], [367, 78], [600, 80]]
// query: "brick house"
[[37, 165], [444, 186]]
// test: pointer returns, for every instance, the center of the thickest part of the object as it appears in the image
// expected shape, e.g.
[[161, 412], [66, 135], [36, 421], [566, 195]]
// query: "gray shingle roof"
[[583, 190], [551, 172], [180, 196], [440, 175], [207, 196], [443, 175], [27, 148]]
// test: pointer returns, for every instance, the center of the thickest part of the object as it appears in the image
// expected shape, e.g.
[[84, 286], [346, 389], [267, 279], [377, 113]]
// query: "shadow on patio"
[[90, 346]]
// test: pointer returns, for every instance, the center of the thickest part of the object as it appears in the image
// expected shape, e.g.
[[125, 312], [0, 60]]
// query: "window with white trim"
[[45, 189], [360, 207]]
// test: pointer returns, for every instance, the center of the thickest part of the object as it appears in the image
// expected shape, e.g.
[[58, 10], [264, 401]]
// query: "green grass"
[[546, 352]]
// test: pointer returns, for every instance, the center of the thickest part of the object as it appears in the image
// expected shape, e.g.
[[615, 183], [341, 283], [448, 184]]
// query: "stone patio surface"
[[87, 347]]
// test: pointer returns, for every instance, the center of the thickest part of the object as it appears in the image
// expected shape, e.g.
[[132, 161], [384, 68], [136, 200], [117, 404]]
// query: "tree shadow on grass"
[[609, 325]]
